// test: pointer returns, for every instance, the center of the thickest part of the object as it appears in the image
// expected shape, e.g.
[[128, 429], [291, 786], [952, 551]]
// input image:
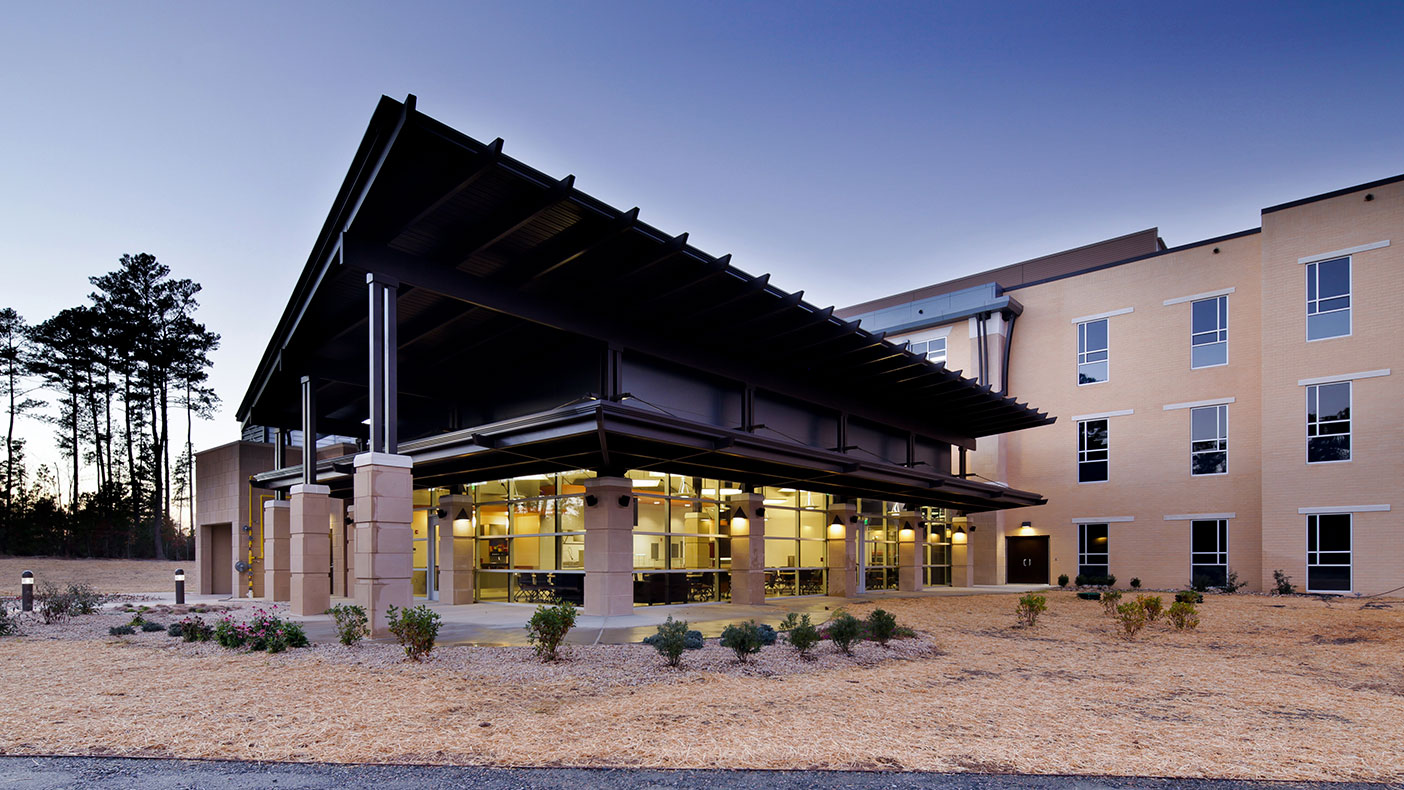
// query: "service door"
[[1027, 559]]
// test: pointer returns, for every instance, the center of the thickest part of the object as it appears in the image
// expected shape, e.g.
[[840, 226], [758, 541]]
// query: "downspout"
[[1010, 316]]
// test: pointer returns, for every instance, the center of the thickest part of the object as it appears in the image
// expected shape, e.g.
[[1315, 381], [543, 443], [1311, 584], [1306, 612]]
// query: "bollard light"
[[180, 586], [27, 591]]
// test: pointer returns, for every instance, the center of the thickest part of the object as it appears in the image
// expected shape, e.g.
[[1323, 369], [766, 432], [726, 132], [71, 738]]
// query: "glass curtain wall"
[[880, 525], [682, 539], [795, 542], [935, 535], [425, 500], [531, 538]]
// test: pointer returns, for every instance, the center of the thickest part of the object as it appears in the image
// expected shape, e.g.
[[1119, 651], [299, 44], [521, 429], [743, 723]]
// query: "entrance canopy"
[[487, 319]]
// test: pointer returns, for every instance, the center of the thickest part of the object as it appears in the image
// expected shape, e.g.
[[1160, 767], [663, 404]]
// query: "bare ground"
[[108, 576], [1267, 688]]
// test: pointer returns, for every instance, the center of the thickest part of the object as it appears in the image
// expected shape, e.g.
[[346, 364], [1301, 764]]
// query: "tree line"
[[112, 377]]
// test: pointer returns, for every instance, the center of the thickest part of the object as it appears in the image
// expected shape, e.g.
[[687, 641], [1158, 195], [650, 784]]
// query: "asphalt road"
[[52, 773]]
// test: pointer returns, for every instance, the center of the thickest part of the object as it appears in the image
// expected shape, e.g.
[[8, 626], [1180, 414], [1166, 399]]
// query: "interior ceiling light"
[[730, 491], [776, 501], [651, 482]]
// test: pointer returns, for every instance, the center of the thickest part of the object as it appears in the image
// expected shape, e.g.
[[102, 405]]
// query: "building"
[[553, 399], [1226, 406]]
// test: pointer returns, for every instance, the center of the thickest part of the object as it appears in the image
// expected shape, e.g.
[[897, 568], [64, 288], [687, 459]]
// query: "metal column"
[[309, 431], [383, 362]]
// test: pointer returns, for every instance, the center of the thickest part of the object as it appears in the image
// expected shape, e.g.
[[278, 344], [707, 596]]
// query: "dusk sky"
[[852, 150]]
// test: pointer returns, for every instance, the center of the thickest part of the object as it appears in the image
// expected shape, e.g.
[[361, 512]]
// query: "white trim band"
[[1104, 520], [1197, 297], [1368, 374], [267, 503], [384, 459], [1099, 316], [1200, 516], [305, 488], [1102, 415], [1326, 256], [1194, 404], [1322, 511]]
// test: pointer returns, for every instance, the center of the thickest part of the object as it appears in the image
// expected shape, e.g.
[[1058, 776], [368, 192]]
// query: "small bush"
[[415, 629], [352, 624], [1029, 608], [670, 641], [84, 599], [1110, 600], [1080, 581], [1152, 605], [137, 621], [1189, 596], [882, 626], [1096, 581], [121, 630], [52, 604], [228, 633], [264, 631], [547, 628], [1090, 595], [151, 627], [1200, 583], [802, 636], [175, 629], [1283, 582], [194, 629], [845, 630], [1232, 584], [1184, 616], [9, 619], [1062, 580], [744, 639], [1131, 617], [1135, 582], [1111, 580]]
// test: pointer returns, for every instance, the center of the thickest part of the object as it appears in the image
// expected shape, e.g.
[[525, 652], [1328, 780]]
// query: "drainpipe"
[[1009, 316]]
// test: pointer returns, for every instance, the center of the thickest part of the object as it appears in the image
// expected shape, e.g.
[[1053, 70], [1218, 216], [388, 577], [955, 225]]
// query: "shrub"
[[194, 629], [1189, 596], [768, 635], [228, 633], [1132, 618], [882, 625], [1090, 595], [1030, 607], [1096, 581], [52, 604], [151, 627], [1152, 605], [845, 630], [803, 636], [121, 630], [1283, 582], [175, 629], [352, 624], [1200, 583], [1080, 581], [548, 626], [1062, 580], [1184, 616], [415, 629], [1110, 600], [84, 599], [1135, 582], [1110, 580], [137, 621], [671, 640], [9, 620], [743, 639], [1232, 584]]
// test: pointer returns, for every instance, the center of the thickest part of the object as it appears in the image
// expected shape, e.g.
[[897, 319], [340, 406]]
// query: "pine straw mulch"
[[1267, 688], [107, 576]]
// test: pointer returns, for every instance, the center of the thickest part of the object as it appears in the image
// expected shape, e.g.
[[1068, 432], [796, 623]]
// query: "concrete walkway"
[[504, 623]]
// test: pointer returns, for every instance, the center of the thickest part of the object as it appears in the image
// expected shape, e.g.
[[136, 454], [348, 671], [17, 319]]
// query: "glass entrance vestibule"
[[528, 538]]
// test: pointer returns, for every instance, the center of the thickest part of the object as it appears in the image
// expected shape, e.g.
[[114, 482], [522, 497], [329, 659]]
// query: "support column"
[[276, 581], [384, 374], [747, 548], [909, 553], [384, 537], [310, 565], [609, 546], [843, 550], [962, 558], [456, 550], [339, 554]]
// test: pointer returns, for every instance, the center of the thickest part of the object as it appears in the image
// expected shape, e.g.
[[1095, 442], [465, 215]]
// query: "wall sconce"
[[624, 500], [740, 525], [1026, 528], [959, 535], [836, 527], [440, 513]]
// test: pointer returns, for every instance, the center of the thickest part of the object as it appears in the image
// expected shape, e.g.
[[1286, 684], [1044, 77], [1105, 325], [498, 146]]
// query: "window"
[[1209, 440], [1328, 552], [1209, 332], [1209, 552], [1092, 452], [1328, 422], [933, 349], [1092, 352], [1092, 550], [1328, 299]]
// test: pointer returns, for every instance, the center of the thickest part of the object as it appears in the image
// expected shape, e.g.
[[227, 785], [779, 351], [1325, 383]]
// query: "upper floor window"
[[1209, 332], [1093, 451], [1209, 440], [1328, 422], [934, 349], [1328, 299], [1092, 352]]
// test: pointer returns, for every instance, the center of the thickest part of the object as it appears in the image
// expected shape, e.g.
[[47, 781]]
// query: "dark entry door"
[[1027, 558]]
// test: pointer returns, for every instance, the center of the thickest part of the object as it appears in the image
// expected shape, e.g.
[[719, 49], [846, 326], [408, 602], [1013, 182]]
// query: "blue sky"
[[852, 150]]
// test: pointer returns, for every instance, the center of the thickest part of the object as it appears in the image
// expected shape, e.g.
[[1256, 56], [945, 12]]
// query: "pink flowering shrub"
[[264, 631]]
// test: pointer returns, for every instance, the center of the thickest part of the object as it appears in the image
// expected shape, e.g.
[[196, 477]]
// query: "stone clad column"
[[747, 549], [609, 546], [276, 581], [457, 559], [338, 548], [384, 539], [909, 553], [843, 550], [310, 557]]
